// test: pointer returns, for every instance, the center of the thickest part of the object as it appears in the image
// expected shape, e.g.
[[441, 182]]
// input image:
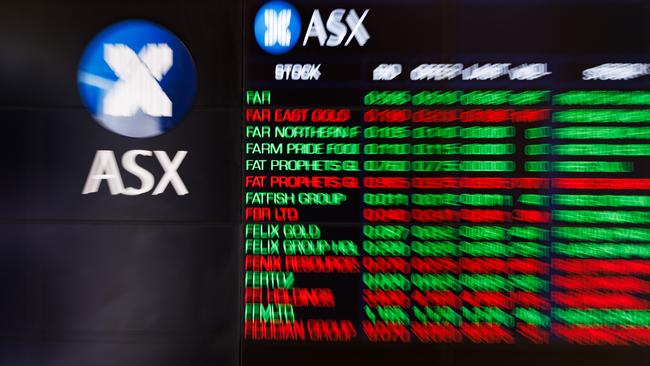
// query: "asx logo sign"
[[106, 169], [138, 87], [137, 79], [277, 28]]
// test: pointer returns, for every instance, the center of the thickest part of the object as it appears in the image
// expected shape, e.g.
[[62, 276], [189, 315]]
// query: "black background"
[[115, 280]]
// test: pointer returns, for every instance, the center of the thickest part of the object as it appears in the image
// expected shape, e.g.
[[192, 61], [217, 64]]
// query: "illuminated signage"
[[137, 79], [277, 27], [106, 168]]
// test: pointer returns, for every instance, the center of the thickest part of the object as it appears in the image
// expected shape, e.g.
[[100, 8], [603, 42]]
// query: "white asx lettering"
[[334, 31], [105, 168]]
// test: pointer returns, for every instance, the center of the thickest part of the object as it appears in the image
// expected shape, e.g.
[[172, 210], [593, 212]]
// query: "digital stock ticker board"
[[446, 172], [325, 183]]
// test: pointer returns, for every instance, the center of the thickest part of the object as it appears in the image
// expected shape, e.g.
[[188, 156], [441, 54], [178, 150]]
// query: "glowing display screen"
[[446, 172]]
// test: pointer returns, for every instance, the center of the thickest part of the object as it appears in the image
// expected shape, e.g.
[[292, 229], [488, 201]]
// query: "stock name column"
[[301, 178]]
